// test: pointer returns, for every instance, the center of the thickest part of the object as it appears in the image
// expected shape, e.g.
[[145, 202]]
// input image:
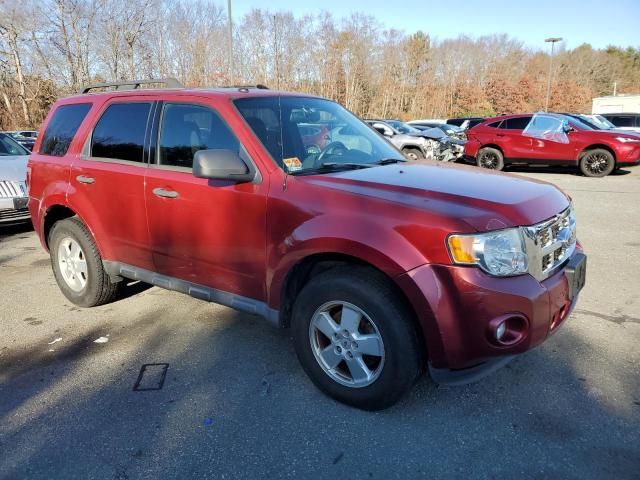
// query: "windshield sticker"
[[293, 164]]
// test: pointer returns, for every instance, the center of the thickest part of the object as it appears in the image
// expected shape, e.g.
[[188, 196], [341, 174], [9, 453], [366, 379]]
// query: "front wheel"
[[413, 153], [597, 163], [356, 338]]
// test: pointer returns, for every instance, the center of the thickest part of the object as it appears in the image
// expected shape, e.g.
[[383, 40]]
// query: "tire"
[[396, 358], [413, 153], [84, 282], [490, 158], [597, 163]]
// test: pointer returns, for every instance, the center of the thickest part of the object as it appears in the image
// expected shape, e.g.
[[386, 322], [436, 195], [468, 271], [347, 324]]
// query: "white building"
[[616, 104]]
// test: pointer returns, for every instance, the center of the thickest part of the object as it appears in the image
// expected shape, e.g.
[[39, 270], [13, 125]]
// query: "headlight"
[[628, 140], [499, 253]]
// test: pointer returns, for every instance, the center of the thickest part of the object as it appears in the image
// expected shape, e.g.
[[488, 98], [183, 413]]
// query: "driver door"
[[208, 232]]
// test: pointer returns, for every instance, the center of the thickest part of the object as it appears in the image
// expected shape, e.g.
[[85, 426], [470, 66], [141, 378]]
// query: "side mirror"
[[221, 165]]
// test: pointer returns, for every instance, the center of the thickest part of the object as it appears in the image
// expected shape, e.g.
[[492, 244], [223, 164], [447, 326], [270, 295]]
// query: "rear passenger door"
[[208, 232], [107, 181], [509, 138]]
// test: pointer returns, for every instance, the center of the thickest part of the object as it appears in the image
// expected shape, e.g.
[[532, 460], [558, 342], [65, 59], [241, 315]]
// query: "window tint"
[[622, 121], [119, 134], [186, 129], [495, 124], [62, 128], [518, 123]]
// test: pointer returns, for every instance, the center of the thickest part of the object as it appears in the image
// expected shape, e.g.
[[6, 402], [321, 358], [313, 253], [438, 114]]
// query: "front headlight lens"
[[499, 253], [628, 140]]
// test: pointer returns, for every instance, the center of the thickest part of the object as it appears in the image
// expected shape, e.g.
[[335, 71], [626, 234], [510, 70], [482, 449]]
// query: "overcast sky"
[[599, 23]]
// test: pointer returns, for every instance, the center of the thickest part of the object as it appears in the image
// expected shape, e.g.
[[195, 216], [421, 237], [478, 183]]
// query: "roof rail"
[[132, 84]]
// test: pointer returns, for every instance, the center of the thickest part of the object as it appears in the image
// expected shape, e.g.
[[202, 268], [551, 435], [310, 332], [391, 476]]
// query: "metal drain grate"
[[151, 377]]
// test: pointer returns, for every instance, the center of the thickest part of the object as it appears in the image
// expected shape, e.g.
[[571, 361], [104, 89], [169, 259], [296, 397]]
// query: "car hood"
[[483, 199], [13, 168]]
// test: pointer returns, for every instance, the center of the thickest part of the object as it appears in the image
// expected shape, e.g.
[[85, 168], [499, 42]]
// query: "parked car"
[[13, 174], [450, 130], [26, 138], [550, 139], [381, 267], [412, 145], [626, 121], [597, 122], [465, 123]]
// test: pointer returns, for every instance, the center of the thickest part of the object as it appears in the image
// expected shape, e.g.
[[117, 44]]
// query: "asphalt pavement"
[[235, 403]]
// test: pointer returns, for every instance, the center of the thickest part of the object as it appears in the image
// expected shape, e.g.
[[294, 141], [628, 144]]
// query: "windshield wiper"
[[389, 161], [332, 166]]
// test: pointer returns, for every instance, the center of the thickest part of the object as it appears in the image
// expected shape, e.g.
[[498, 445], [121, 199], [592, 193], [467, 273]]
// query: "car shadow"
[[15, 229]]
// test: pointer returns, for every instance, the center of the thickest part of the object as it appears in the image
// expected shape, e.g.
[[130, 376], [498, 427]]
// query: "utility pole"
[[275, 51], [615, 88], [553, 41], [230, 41]]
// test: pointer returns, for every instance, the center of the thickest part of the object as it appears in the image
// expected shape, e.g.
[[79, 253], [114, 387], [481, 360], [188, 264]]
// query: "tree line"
[[49, 48]]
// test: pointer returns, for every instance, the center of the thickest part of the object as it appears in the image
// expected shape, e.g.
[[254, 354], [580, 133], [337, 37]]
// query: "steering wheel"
[[330, 149]]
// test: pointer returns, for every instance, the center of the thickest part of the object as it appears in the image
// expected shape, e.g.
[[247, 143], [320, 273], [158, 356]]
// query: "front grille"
[[551, 243], [12, 189], [11, 214]]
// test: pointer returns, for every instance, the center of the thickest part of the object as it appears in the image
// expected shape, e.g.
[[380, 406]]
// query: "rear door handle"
[[161, 192], [85, 179], [499, 134]]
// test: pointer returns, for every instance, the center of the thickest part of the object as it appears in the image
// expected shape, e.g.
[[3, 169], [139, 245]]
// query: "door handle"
[[85, 179], [499, 134], [161, 192]]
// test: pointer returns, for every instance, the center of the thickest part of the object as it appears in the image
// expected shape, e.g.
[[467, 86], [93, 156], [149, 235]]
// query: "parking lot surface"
[[236, 404]]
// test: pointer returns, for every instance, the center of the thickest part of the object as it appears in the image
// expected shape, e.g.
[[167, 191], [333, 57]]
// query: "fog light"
[[500, 331]]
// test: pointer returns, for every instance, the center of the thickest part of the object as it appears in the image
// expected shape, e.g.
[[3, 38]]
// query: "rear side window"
[[186, 129], [62, 128], [119, 134], [518, 123], [494, 124]]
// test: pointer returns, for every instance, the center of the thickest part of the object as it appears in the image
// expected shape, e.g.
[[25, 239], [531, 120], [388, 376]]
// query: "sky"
[[600, 23]]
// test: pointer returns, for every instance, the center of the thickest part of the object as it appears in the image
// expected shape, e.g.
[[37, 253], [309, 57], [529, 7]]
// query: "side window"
[[119, 134], [517, 123], [494, 124], [622, 121], [62, 128], [185, 129]]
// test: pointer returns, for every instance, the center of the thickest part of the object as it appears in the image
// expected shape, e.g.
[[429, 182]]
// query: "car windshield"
[[313, 135], [578, 123], [9, 147], [402, 127]]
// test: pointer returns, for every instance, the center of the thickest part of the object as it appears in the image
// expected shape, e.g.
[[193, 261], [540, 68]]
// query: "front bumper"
[[460, 306], [14, 210]]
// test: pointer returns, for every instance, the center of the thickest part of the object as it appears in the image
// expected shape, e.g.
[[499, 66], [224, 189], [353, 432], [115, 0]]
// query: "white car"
[[13, 175]]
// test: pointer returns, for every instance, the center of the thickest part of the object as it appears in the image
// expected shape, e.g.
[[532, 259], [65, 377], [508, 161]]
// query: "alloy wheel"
[[72, 264], [346, 344], [489, 160], [597, 163]]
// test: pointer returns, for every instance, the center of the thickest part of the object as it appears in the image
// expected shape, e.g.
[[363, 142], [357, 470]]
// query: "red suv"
[[381, 267], [550, 139]]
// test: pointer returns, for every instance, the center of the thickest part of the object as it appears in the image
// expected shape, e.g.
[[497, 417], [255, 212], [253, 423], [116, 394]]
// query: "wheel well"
[[492, 145], [311, 266], [593, 147], [53, 215]]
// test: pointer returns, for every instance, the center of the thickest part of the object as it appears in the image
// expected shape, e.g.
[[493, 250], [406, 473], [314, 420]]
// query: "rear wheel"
[[413, 153], [77, 265], [490, 158], [355, 338], [597, 163]]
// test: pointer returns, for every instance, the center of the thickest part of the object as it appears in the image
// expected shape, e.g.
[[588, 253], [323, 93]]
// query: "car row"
[[13, 190], [26, 138]]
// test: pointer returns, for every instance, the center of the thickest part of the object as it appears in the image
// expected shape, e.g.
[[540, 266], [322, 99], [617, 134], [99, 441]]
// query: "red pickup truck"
[[381, 267]]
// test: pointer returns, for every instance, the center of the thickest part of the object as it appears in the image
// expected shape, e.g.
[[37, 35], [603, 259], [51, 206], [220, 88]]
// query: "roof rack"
[[259, 86], [133, 84]]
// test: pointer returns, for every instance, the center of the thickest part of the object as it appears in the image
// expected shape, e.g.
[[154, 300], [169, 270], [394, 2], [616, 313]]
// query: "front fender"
[[360, 237]]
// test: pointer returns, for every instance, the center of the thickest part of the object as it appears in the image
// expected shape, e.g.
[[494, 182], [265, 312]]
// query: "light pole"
[[553, 41], [230, 41]]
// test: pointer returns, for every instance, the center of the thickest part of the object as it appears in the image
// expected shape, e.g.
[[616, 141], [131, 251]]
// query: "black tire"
[[490, 158], [413, 153], [99, 289], [371, 292], [597, 162]]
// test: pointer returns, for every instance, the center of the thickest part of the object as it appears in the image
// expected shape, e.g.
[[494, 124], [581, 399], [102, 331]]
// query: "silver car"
[[13, 175]]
